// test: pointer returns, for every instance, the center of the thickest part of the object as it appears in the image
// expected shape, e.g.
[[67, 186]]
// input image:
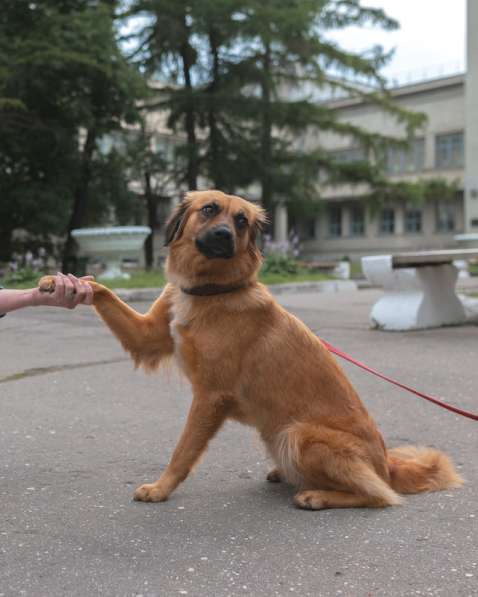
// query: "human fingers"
[[58, 296], [87, 278], [79, 291], [69, 296], [88, 300]]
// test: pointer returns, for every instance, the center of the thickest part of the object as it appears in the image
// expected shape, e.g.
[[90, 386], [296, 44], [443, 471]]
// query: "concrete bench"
[[419, 289]]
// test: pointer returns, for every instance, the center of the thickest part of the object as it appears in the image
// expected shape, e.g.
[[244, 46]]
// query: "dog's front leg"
[[146, 337], [205, 417]]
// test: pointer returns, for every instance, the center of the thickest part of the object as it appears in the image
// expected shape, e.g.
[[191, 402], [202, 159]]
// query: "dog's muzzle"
[[217, 242]]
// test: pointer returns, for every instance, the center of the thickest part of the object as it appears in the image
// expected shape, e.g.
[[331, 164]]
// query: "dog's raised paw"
[[149, 492], [47, 284]]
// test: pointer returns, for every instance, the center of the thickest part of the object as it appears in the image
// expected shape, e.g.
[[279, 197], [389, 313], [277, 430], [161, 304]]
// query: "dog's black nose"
[[217, 242], [222, 233]]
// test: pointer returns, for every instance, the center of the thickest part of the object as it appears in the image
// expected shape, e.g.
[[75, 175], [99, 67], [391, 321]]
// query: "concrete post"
[[281, 228], [471, 120], [429, 151], [400, 219], [346, 231]]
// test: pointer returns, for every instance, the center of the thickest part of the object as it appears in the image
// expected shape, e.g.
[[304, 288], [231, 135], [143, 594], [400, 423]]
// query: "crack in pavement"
[[56, 368]]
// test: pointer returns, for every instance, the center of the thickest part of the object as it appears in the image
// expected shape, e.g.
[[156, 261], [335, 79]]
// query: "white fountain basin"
[[112, 245]]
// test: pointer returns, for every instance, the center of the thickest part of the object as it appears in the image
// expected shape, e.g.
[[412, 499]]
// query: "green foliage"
[[276, 263], [417, 192], [138, 279], [62, 77], [236, 78], [22, 278]]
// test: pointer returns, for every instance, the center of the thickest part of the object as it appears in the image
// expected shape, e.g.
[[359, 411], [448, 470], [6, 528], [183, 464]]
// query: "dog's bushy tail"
[[414, 470]]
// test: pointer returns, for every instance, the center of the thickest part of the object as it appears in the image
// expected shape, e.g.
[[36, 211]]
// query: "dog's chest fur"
[[206, 338], [181, 309], [195, 340]]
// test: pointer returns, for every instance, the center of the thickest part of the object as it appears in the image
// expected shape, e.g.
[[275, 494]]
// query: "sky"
[[429, 43]]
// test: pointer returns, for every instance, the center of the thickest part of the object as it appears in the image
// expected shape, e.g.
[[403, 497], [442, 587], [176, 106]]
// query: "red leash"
[[347, 357]]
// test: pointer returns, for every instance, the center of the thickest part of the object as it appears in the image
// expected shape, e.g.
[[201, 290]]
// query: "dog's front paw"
[[47, 284], [150, 492]]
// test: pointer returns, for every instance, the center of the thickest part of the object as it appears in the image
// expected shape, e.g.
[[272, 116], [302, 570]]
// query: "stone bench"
[[419, 289]]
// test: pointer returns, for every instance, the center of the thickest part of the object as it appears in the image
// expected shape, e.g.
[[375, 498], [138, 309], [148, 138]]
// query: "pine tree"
[[70, 85], [164, 49], [287, 56], [251, 88]]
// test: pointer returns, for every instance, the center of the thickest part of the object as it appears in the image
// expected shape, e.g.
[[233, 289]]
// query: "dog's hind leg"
[[206, 416], [317, 499], [335, 470], [274, 476]]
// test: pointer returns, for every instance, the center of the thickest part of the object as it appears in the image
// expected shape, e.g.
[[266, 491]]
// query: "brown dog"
[[250, 360]]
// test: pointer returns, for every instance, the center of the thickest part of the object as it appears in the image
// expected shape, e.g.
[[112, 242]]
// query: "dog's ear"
[[260, 222], [175, 224]]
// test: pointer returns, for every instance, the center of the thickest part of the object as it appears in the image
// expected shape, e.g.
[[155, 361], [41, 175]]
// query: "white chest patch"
[[180, 312]]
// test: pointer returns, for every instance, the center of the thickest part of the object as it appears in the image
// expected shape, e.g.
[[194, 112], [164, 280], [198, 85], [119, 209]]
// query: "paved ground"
[[80, 429]]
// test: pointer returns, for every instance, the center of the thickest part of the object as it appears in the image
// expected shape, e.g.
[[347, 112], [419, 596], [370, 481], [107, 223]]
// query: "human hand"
[[65, 291]]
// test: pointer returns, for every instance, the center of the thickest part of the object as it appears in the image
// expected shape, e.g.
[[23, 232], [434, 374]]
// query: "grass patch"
[[23, 278], [356, 269], [301, 276], [156, 279], [139, 279]]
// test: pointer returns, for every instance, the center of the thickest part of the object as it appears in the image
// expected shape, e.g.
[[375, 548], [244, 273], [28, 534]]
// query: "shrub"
[[276, 263], [21, 277]]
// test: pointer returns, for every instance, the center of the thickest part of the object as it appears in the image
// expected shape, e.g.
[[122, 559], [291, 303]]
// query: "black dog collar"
[[212, 289]]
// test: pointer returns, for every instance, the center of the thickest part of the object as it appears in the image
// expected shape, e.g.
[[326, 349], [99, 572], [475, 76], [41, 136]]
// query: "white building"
[[446, 148], [347, 225]]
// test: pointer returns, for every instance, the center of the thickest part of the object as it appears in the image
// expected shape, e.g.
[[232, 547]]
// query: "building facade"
[[346, 224]]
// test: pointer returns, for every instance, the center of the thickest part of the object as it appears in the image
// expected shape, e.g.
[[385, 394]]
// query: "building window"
[[449, 151], [413, 221], [335, 221], [387, 221], [445, 217], [357, 221], [403, 161], [348, 156]]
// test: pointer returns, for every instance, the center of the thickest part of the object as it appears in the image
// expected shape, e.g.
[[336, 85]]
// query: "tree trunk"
[[266, 141], [80, 202], [190, 117], [5, 243], [216, 172], [151, 211]]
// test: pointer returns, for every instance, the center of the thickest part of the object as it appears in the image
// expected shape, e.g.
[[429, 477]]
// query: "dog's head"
[[212, 238]]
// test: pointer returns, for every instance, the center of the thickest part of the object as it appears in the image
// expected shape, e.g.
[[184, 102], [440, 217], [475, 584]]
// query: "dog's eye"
[[241, 221], [209, 210]]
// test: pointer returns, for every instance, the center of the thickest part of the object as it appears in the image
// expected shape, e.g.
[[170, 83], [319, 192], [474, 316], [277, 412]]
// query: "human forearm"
[[67, 291], [10, 300]]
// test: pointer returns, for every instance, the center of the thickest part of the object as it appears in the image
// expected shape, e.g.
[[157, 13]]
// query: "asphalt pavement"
[[80, 429]]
